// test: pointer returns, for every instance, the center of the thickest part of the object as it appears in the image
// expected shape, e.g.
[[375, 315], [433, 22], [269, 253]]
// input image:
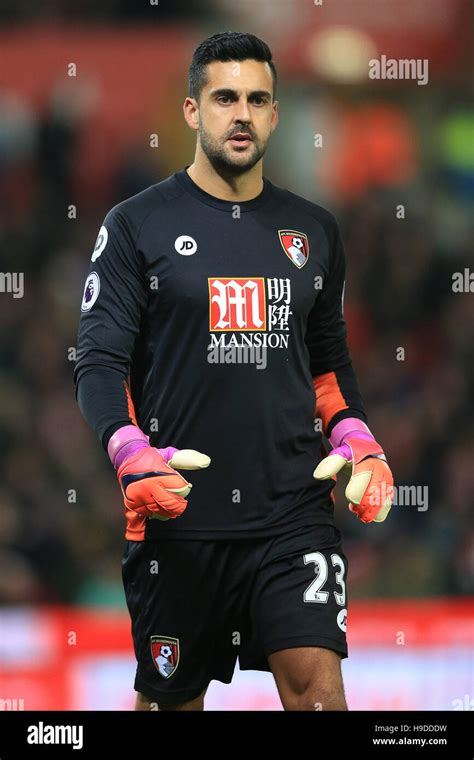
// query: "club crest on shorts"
[[165, 654], [296, 246]]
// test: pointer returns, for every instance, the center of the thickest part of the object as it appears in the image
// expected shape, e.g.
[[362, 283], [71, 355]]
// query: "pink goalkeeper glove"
[[355, 450], [150, 486]]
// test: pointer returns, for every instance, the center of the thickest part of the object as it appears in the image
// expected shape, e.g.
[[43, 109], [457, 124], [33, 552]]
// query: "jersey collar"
[[185, 181]]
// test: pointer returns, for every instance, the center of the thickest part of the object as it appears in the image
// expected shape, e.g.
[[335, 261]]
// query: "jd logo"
[[185, 245]]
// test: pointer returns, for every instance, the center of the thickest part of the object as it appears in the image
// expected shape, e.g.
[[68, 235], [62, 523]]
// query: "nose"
[[242, 112]]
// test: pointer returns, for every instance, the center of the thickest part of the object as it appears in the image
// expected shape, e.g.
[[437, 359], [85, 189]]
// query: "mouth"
[[240, 140]]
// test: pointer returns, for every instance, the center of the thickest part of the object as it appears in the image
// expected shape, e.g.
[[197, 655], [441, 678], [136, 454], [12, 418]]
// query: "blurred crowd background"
[[82, 88]]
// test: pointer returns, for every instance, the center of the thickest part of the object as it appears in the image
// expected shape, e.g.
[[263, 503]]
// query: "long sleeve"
[[334, 380], [115, 297]]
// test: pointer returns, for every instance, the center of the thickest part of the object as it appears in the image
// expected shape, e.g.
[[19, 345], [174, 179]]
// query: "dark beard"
[[220, 161]]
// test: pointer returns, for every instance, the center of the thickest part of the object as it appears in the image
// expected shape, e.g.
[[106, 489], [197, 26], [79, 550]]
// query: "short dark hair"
[[227, 46]]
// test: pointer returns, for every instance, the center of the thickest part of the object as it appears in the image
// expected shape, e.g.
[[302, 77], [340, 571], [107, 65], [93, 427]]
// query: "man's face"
[[236, 114]]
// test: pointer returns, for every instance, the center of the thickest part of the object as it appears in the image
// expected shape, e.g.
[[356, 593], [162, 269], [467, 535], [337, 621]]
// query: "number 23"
[[313, 593]]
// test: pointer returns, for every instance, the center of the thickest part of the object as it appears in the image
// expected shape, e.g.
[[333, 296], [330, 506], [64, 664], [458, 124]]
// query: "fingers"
[[172, 500], [161, 515], [329, 466], [189, 459], [371, 492], [382, 514], [365, 513], [357, 486], [167, 506], [151, 497], [184, 459], [181, 491]]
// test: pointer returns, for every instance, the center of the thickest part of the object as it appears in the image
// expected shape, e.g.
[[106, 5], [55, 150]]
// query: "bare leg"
[[308, 678]]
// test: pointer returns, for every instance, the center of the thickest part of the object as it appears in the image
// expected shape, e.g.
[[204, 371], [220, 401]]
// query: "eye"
[[259, 100], [222, 98]]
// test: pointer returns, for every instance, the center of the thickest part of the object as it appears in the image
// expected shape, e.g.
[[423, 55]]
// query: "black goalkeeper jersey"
[[205, 321]]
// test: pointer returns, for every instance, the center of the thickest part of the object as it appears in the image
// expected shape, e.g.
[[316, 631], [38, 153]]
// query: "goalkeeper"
[[186, 280]]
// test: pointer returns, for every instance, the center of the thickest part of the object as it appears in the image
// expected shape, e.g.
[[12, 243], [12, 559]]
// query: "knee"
[[315, 699]]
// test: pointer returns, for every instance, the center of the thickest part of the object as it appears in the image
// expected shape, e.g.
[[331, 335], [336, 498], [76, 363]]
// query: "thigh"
[[300, 593], [172, 589]]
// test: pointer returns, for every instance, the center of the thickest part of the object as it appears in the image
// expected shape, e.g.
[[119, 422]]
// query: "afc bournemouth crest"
[[165, 654], [296, 246]]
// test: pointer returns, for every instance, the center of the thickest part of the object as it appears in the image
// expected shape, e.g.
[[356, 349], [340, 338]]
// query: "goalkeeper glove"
[[370, 488], [150, 486]]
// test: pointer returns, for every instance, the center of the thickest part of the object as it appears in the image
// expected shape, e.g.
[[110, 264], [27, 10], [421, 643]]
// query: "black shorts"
[[197, 605]]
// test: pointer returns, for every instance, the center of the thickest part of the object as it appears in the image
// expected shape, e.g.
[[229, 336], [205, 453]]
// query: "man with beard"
[[217, 257]]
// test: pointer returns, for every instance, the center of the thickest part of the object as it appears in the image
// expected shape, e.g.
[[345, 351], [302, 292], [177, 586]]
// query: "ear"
[[275, 116], [191, 113]]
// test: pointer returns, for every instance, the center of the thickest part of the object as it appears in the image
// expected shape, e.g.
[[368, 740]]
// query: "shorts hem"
[[176, 696], [305, 641]]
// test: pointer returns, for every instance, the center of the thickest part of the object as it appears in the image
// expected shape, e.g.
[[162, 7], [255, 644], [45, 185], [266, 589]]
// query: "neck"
[[229, 188]]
